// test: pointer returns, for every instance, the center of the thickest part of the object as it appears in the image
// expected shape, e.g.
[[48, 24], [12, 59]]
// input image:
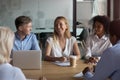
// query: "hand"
[[93, 60], [88, 69], [63, 59], [85, 70], [43, 78]]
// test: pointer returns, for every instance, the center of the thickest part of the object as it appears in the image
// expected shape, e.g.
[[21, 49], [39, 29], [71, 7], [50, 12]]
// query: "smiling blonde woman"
[[61, 45]]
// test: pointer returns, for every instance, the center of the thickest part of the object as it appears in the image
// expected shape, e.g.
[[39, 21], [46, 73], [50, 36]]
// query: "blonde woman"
[[62, 44], [7, 71]]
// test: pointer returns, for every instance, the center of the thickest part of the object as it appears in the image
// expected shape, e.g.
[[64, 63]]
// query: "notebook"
[[31, 59]]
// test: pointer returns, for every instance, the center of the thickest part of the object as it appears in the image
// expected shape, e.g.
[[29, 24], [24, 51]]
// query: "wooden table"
[[54, 72]]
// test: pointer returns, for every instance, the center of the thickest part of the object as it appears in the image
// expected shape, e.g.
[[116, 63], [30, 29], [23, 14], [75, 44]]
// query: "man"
[[24, 38], [109, 64]]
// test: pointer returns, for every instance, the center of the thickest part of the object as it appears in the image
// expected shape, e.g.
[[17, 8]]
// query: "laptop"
[[31, 59]]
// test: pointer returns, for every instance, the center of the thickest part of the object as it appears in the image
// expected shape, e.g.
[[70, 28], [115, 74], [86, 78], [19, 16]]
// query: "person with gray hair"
[[7, 71]]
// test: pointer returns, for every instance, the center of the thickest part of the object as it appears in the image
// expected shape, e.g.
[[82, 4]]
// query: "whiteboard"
[[42, 13]]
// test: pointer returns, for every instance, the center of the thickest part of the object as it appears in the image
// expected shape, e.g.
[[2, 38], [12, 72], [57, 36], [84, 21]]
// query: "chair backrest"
[[84, 34]]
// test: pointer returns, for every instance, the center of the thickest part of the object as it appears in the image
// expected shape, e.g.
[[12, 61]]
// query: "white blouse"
[[56, 49], [95, 46]]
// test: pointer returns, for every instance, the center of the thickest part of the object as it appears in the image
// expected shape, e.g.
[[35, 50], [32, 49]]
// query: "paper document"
[[62, 63], [78, 75]]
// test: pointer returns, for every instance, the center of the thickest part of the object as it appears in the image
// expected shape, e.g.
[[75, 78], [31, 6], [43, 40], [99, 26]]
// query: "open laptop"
[[31, 59]]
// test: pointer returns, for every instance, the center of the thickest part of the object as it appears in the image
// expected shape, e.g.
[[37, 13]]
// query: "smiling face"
[[60, 27], [26, 29], [99, 29]]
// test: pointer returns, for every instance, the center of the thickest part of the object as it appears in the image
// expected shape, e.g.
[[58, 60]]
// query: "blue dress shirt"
[[28, 43], [108, 66]]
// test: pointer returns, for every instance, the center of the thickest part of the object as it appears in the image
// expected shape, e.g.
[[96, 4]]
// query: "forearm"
[[78, 56], [88, 54], [50, 58]]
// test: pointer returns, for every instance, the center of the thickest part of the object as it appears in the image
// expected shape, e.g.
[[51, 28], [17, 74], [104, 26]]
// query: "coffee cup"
[[73, 60]]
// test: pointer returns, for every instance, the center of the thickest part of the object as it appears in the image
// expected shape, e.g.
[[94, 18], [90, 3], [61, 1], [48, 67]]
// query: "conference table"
[[54, 72]]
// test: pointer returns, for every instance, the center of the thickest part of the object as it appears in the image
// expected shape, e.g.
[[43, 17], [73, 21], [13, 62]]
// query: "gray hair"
[[6, 43]]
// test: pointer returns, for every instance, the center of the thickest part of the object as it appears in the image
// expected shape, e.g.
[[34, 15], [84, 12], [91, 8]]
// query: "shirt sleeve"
[[50, 41], [105, 67], [88, 49], [73, 40], [88, 75]]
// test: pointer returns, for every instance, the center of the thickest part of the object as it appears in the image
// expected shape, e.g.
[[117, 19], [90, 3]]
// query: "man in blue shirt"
[[109, 64], [24, 38]]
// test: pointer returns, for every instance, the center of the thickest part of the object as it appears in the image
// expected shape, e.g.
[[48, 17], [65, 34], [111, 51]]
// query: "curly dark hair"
[[104, 20]]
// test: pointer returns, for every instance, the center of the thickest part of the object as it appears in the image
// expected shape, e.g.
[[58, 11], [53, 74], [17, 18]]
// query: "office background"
[[42, 12]]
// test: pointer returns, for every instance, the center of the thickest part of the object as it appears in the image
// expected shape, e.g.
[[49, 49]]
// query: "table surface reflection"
[[54, 72]]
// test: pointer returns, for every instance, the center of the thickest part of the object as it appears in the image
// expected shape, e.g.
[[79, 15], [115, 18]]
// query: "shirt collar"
[[18, 37], [104, 37]]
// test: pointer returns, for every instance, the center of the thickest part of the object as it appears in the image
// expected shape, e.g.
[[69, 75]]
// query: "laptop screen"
[[30, 59]]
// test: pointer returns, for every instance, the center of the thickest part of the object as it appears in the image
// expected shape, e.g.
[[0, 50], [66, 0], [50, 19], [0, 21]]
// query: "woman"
[[62, 44], [99, 40], [109, 64], [7, 71]]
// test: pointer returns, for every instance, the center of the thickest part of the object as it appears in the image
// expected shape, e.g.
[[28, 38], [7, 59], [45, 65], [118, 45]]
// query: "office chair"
[[81, 38]]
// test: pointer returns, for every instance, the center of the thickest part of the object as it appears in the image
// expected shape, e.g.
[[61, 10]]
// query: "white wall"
[[87, 9], [84, 11], [42, 12], [111, 13]]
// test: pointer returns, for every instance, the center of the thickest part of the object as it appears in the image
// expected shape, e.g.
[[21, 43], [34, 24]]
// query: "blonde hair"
[[67, 32], [6, 43]]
